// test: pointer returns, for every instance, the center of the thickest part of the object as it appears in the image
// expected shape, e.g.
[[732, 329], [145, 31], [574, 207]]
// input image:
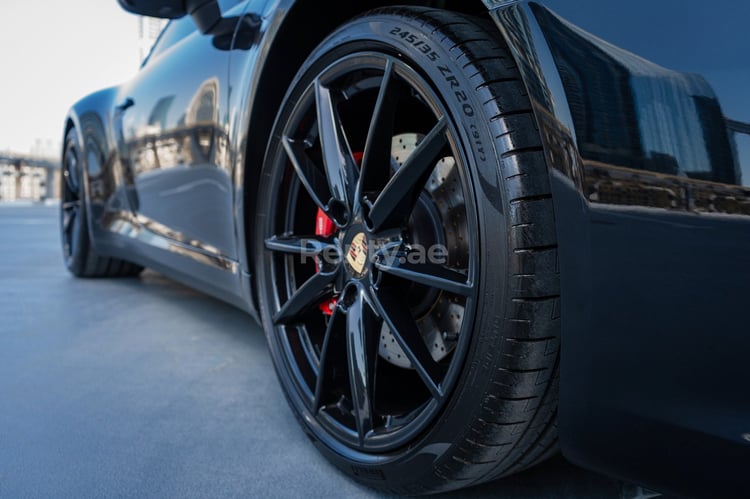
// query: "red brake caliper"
[[324, 227]]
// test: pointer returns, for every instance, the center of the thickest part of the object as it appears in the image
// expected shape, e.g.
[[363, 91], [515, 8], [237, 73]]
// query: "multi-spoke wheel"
[[78, 253], [405, 252], [71, 200]]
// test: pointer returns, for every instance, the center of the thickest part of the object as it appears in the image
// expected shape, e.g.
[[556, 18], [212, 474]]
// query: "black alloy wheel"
[[384, 257], [71, 199], [368, 265]]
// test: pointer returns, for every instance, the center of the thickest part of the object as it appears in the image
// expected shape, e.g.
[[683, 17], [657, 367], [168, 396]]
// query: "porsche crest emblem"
[[356, 257]]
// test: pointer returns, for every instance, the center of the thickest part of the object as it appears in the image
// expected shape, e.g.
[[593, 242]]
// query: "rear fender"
[[654, 250]]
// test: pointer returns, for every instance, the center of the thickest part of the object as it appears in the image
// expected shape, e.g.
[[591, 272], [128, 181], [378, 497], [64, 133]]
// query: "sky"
[[53, 52]]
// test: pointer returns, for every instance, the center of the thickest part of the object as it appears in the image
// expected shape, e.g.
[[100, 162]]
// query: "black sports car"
[[474, 232]]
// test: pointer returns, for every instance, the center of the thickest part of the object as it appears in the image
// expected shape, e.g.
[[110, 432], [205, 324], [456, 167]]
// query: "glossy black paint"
[[168, 9], [174, 145], [650, 167], [654, 230]]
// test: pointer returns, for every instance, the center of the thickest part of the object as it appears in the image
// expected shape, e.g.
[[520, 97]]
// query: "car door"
[[173, 123]]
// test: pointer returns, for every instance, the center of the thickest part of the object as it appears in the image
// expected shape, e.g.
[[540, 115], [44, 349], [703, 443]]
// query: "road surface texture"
[[145, 388]]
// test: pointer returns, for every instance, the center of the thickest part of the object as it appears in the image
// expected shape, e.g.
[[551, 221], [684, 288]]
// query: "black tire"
[[497, 415], [78, 253]]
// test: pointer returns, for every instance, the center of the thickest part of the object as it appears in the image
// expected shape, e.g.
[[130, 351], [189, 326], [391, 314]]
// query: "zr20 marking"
[[418, 44], [461, 96]]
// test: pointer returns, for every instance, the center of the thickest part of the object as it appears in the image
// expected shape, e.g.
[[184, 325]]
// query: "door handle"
[[124, 105]]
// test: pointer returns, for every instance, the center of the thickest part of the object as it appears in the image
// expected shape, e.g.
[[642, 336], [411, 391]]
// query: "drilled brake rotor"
[[440, 318]]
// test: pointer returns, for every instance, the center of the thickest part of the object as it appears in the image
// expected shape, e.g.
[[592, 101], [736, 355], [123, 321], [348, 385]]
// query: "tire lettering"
[[413, 40], [444, 70], [368, 473], [461, 96], [478, 142]]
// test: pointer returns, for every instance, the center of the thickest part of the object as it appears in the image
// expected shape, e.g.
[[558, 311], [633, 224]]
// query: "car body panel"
[[175, 142], [168, 142], [653, 223], [650, 186]]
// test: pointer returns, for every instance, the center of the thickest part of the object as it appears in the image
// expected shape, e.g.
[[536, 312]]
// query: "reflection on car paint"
[[652, 206]]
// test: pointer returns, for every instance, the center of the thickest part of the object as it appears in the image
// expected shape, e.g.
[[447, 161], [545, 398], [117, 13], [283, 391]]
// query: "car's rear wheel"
[[407, 255], [79, 254]]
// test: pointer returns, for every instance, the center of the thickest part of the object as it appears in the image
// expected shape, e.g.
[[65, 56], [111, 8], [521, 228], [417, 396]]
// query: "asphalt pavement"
[[144, 388]]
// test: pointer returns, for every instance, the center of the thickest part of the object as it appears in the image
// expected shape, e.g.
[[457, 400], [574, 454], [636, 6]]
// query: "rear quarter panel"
[[652, 199]]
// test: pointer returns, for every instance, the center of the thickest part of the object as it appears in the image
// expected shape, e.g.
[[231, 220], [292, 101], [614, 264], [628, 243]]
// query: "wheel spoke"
[[303, 246], [70, 212], [68, 219], [362, 353], [69, 183], [396, 202], [312, 292], [428, 274], [71, 205], [395, 312], [312, 179], [333, 349], [70, 170], [377, 155], [340, 167]]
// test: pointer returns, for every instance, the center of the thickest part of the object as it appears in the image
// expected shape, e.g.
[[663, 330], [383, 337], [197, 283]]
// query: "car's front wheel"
[[407, 255]]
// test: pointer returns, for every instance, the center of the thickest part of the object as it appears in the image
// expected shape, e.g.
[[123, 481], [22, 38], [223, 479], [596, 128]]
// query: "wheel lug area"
[[349, 295], [364, 214], [340, 213]]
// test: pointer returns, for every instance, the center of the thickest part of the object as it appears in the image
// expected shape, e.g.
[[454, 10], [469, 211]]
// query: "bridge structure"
[[25, 177]]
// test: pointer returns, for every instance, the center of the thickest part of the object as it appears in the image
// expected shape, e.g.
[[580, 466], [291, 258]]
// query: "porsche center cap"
[[356, 256]]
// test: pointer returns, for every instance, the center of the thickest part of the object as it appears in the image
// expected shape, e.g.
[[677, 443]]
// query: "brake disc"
[[442, 318]]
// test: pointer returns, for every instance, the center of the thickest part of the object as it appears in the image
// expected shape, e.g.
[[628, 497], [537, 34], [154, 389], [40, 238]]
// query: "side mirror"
[[164, 9], [205, 13]]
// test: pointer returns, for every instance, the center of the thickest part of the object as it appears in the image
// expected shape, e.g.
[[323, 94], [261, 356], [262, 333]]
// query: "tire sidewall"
[[403, 470]]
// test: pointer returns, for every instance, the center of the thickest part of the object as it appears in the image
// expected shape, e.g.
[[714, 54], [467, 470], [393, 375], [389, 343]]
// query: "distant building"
[[148, 31], [28, 178]]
